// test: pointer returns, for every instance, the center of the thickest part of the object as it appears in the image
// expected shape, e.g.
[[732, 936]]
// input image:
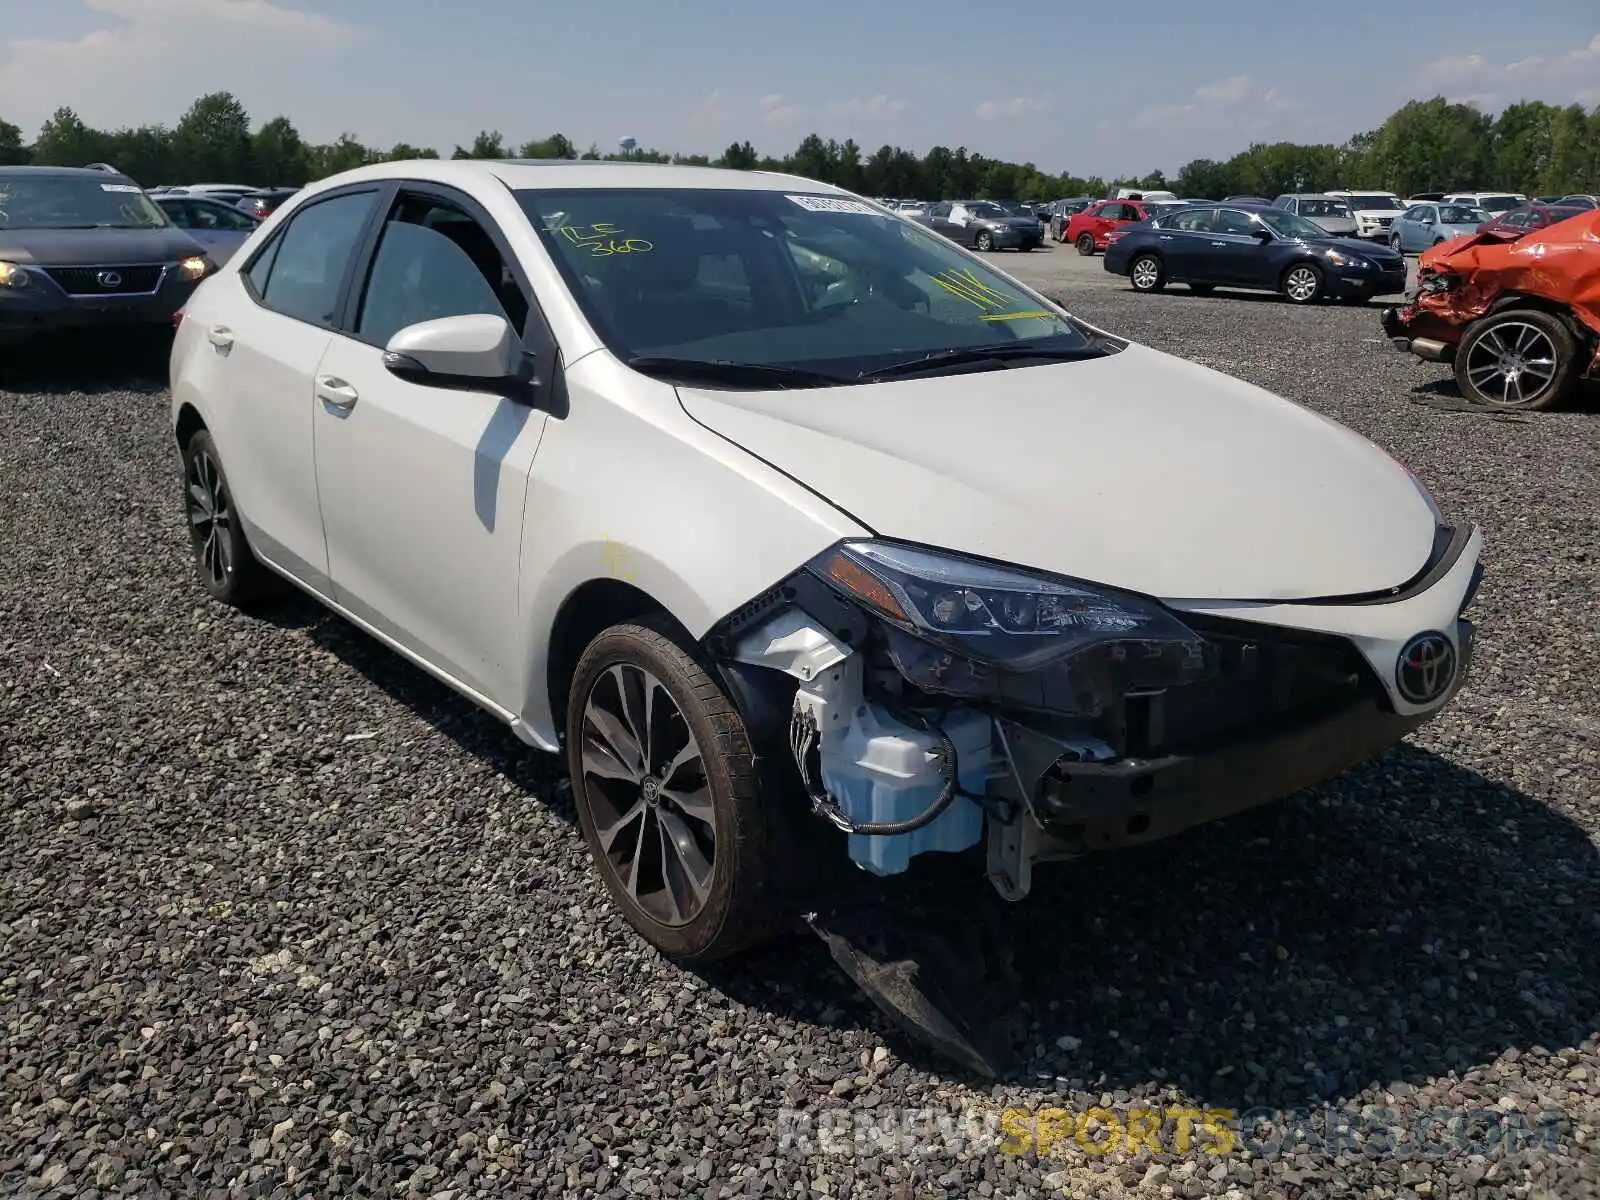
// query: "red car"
[[1090, 230], [1518, 221]]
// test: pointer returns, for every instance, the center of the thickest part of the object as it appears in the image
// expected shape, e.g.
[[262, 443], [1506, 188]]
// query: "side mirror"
[[1261, 235], [476, 353]]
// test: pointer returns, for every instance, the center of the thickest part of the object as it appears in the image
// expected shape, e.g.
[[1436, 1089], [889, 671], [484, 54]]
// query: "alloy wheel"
[[1301, 284], [647, 789], [1146, 273], [1508, 359], [210, 517]]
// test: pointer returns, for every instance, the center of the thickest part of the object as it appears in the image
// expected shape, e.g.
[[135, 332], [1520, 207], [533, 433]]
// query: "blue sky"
[[1086, 88]]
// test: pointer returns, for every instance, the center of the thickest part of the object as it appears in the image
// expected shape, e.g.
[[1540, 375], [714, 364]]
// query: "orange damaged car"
[[1516, 317]]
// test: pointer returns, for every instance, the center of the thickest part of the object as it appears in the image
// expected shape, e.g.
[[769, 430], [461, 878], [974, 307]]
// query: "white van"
[[1136, 193]]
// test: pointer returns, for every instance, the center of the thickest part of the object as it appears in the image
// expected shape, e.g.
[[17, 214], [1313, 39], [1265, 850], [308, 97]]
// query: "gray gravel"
[[278, 915]]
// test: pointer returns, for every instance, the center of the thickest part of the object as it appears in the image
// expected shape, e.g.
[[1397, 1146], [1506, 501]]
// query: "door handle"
[[1166, 237], [220, 336], [335, 391], [1219, 243]]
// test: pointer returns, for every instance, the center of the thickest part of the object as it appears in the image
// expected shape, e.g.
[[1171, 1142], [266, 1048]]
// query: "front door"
[[423, 488], [1235, 253]]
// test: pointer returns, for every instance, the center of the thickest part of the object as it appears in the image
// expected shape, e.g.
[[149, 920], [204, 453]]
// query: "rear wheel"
[[665, 784], [228, 568], [1302, 283], [1086, 244], [1147, 274], [1518, 359]]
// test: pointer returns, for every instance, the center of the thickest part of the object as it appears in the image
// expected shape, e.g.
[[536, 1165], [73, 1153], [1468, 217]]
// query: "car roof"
[[34, 172], [549, 174]]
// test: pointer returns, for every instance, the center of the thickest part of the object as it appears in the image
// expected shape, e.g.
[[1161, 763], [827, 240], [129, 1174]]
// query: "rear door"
[[1184, 241], [265, 335]]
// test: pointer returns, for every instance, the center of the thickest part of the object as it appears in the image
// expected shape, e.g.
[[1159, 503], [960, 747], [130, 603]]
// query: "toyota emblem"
[[1426, 669], [109, 279]]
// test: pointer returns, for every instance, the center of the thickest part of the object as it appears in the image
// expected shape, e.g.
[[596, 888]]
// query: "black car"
[[982, 225], [264, 203], [82, 247], [1252, 246]]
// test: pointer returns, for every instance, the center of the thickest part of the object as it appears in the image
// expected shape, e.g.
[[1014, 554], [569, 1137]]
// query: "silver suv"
[[1332, 213]]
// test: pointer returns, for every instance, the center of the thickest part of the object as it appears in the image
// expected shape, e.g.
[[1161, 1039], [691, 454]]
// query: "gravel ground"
[[278, 915]]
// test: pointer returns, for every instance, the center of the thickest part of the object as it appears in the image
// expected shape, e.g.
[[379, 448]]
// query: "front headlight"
[[970, 629], [195, 267], [1345, 260], [1441, 282], [12, 275]]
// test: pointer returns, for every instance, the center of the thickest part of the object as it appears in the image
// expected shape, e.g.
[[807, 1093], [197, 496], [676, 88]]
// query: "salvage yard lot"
[[279, 912]]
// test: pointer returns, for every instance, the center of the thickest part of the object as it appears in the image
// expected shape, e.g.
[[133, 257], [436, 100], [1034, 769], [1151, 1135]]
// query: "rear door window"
[[310, 258]]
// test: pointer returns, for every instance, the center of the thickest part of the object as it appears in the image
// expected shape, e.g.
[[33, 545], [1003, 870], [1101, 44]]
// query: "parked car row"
[[258, 202]]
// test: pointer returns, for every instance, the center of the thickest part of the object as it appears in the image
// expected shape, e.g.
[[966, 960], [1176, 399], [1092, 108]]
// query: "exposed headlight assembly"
[[12, 275], [1442, 282], [970, 629]]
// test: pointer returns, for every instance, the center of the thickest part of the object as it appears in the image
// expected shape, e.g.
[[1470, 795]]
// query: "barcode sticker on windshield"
[[119, 187], [834, 204]]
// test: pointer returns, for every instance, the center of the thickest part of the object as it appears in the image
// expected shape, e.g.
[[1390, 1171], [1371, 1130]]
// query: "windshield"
[[1324, 208], [1499, 204], [75, 202], [1286, 224], [826, 284], [1460, 214], [1368, 203], [986, 208]]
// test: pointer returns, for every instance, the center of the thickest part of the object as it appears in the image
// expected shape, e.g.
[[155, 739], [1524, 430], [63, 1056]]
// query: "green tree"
[[65, 141], [741, 156], [404, 151], [1574, 155], [278, 155], [1429, 145], [488, 144], [557, 145], [212, 140], [345, 154], [13, 151], [1522, 144]]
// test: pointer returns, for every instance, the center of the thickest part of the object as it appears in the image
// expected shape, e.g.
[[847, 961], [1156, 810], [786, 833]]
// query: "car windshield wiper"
[[965, 355], [754, 374]]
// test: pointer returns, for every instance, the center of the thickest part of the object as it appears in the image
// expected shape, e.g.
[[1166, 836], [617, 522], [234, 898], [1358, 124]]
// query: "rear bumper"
[[43, 307]]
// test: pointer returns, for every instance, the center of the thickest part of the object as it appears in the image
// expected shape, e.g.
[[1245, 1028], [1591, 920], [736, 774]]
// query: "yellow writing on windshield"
[[963, 283], [1019, 316], [603, 239]]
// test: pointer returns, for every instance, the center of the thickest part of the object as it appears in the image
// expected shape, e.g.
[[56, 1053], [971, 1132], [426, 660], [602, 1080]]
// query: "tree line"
[[1427, 145]]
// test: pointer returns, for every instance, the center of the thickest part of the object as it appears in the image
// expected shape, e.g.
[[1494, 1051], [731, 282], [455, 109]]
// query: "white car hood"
[[1138, 470]]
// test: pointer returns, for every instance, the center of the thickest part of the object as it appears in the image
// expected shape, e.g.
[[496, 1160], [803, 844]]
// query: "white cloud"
[[712, 114], [868, 108], [166, 52], [775, 110], [1558, 77], [1236, 100], [1014, 106]]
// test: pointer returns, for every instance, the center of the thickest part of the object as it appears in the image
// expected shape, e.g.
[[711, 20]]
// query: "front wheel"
[[1397, 245], [1302, 283], [985, 242], [1147, 274], [665, 784], [1519, 359], [1086, 244]]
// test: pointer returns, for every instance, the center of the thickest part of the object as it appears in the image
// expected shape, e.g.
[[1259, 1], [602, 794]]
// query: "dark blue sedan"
[[1252, 246]]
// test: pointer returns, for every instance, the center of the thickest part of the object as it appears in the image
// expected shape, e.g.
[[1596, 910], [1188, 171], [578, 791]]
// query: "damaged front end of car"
[[941, 703]]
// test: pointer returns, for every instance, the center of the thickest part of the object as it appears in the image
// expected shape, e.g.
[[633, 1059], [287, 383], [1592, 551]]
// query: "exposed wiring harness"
[[804, 737]]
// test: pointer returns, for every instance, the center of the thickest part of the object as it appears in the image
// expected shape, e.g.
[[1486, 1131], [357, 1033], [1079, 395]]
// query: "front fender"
[[629, 487]]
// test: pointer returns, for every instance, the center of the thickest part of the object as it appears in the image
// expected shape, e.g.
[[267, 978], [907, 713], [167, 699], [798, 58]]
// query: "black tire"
[[1397, 245], [1202, 289], [745, 876], [228, 568], [1147, 273], [1298, 293], [1085, 244], [1530, 335], [984, 241]]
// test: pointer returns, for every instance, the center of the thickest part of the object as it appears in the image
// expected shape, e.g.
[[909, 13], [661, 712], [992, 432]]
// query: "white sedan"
[[776, 513]]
